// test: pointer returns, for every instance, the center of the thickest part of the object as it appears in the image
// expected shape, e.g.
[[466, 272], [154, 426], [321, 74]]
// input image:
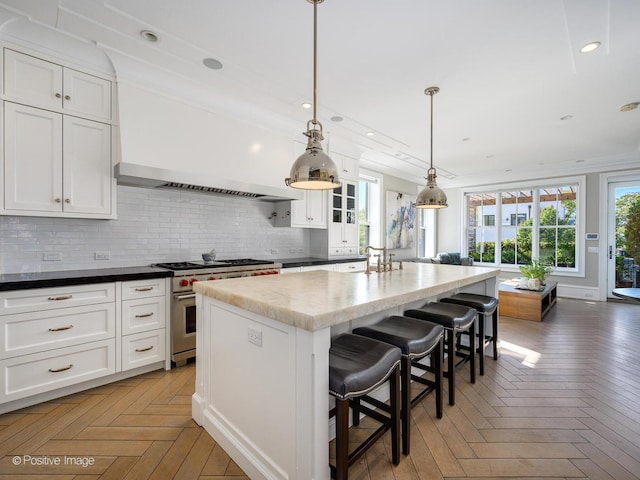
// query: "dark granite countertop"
[[309, 261], [19, 281]]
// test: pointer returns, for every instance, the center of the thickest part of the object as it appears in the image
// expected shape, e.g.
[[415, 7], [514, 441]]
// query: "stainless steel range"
[[183, 303]]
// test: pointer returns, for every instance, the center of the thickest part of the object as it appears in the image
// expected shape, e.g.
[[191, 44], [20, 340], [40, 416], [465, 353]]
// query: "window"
[[369, 212], [540, 222]]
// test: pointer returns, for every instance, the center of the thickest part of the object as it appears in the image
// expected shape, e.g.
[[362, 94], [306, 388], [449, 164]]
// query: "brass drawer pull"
[[61, 297], [60, 329], [144, 315], [144, 349], [63, 369], [144, 289]]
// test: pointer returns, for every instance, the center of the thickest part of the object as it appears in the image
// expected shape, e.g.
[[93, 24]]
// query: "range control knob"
[[184, 282], [212, 278], [193, 280]]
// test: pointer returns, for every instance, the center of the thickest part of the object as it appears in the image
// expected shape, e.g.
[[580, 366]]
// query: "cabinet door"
[[32, 81], [87, 166], [32, 159], [317, 208], [86, 95], [350, 223], [311, 211]]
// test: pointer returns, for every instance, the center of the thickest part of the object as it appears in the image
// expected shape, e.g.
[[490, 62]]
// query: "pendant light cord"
[[431, 162], [315, 58]]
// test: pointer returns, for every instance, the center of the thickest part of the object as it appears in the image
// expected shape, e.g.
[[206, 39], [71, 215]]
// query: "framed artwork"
[[401, 220]]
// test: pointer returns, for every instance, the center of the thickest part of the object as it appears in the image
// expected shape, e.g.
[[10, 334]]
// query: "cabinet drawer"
[[34, 332], [143, 349], [33, 374], [143, 314], [344, 251], [143, 288], [350, 267], [36, 299]]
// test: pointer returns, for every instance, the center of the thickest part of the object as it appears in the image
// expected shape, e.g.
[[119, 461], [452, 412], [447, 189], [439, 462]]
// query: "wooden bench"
[[526, 304]]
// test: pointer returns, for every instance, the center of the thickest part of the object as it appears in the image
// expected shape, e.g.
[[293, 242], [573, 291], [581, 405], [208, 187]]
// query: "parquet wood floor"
[[562, 402]]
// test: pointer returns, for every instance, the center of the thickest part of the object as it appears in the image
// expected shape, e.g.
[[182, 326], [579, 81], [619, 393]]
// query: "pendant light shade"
[[431, 196], [314, 169]]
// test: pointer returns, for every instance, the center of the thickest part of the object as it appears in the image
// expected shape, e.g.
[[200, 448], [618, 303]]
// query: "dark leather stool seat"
[[416, 340], [357, 365], [485, 306], [456, 320]]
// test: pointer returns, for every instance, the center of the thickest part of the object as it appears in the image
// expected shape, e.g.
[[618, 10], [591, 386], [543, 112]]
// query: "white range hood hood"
[[153, 177]]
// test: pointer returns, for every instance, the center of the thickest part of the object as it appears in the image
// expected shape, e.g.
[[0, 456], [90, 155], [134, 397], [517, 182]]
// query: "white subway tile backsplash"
[[152, 226]]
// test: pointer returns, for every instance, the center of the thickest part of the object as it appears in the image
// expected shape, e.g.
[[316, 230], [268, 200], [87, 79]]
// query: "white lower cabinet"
[[63, 336], [143, 348], [28, 375], [143, 323], [351, 267]]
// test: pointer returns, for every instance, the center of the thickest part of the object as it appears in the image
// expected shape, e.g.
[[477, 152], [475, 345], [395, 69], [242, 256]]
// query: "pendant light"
[[314, 169], [431, 196]]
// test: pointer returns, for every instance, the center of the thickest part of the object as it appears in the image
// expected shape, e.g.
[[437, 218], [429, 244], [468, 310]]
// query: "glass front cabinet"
[[343, 227]]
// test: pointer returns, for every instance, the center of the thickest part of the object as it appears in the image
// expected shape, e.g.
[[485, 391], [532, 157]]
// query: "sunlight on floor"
[[531, 357]]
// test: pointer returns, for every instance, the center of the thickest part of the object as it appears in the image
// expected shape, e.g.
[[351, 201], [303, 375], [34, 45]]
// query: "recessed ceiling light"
[[566, 117], [370, 134], [212, 63], [489, 156], [149, 36], [466, 139], [580, 161], [336, 118], [590, 47], [306, 105], [629, 106]]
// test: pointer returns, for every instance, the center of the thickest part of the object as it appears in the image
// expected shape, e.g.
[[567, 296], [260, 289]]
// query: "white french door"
[[620, 269]]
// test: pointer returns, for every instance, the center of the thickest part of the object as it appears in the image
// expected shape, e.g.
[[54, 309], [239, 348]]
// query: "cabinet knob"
[[57, 200], [58, 95], [67, 97], [67, 200]]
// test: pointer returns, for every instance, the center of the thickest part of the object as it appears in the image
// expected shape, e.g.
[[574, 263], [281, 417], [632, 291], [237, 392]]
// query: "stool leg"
[[481, 338], [355, 411], [436, 361], [495, 334], [342, 439], [394, 387], [472, 351], [451, 364], [405, 391]]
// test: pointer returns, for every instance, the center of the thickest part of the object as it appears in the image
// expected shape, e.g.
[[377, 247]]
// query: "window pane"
[[548, 242], [566, 256], [508, 245], [481, 227]]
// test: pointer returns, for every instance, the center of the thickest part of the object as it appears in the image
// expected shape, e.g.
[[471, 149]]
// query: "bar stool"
[[357, 365], [416, 339], [485, 306], [456, 320]]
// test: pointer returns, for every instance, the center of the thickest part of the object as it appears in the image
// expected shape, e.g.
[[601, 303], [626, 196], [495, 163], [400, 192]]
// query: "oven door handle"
[[184, 297]]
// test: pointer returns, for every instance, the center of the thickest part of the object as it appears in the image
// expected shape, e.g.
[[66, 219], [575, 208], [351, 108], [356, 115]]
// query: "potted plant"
[[537, 271], [632, 236]]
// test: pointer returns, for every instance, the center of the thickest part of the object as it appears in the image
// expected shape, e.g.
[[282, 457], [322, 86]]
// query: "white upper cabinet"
[[347, 166], [311, 211], [44, 84], [32, 169], [58, 142], [343, 225]]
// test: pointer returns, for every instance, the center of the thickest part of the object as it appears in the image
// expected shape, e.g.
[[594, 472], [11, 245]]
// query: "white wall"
[[152, 226]]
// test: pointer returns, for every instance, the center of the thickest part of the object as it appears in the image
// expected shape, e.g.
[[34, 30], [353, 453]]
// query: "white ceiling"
[[508, 71]]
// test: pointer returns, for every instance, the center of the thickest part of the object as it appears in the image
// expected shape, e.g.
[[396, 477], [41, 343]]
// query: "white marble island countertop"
[[319, 299]]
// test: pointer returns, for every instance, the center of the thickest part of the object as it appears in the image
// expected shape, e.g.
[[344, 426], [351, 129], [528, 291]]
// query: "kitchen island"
[[262, 355]]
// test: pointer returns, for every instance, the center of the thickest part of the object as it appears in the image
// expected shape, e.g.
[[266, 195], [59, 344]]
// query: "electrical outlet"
[[102, 255], [51, 256], [255, 337]]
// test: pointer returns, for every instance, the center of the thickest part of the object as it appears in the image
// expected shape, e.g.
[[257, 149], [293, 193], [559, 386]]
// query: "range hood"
[[152, 177]]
